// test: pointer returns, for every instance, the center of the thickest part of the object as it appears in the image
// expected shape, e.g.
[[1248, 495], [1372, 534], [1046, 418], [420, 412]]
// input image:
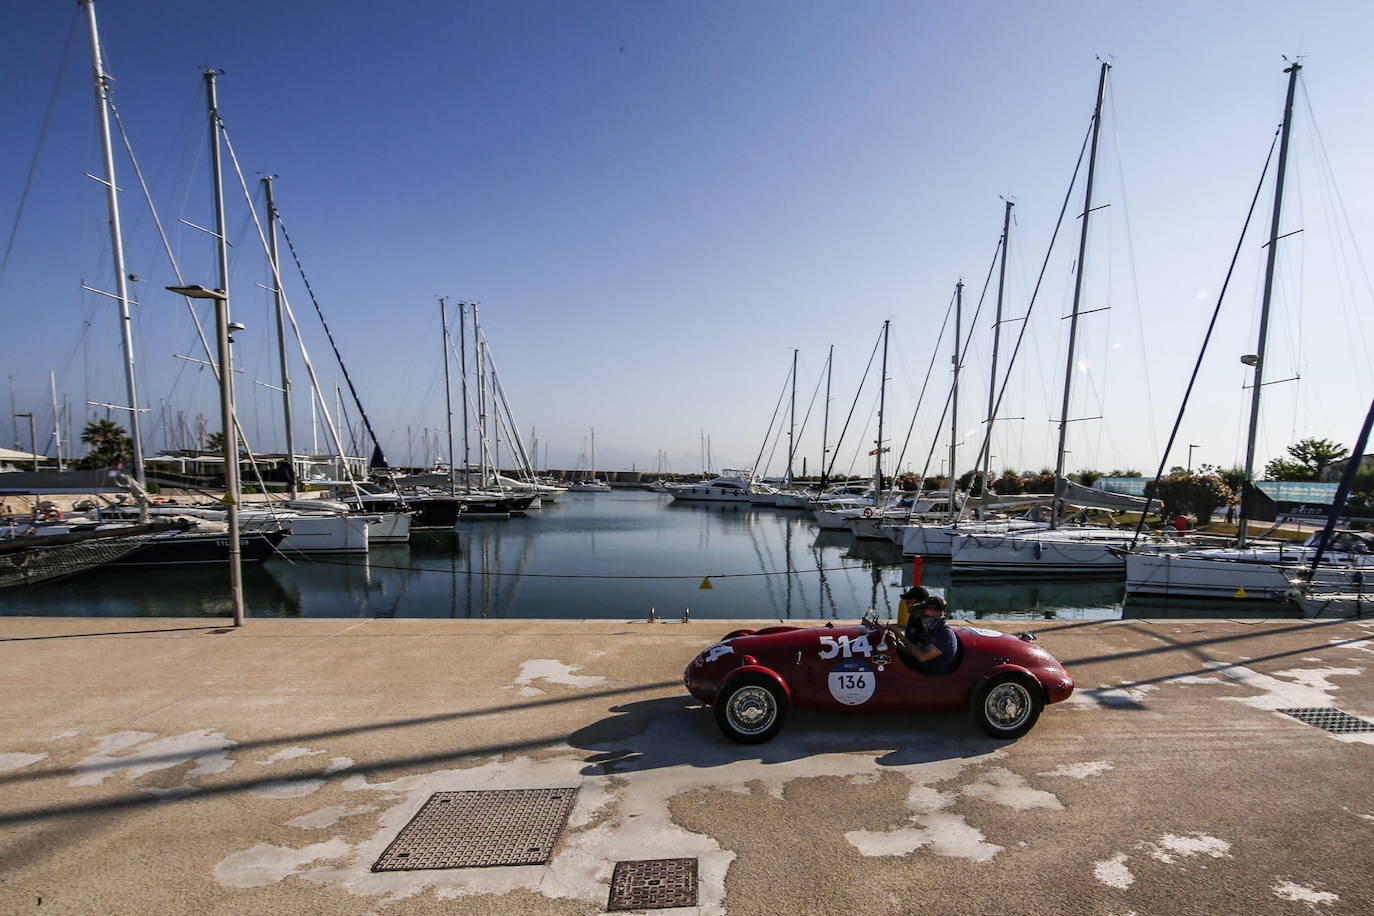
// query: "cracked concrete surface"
[[266, 769]]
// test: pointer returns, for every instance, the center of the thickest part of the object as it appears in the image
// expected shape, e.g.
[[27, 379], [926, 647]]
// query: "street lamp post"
[[230, 437], [33, 439], [1190, 458]]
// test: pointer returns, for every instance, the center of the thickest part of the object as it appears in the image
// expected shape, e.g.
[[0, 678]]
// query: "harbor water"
[[613, 555]]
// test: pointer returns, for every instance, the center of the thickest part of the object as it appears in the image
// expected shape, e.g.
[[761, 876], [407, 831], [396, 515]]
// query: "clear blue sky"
[[655, 203]]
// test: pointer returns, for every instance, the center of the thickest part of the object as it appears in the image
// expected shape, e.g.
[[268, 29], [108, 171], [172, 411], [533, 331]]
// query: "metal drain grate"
[[478, 829], [1333, 720], [652, 884]]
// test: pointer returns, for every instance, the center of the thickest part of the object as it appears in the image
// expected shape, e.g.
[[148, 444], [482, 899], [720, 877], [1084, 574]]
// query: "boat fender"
[[1039, 549]]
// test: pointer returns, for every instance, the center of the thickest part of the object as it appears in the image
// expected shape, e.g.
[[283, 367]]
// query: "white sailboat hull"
[[389, 528], [938, 540], [835, 519], [1078, 553], [314, 533], [1204, 575]]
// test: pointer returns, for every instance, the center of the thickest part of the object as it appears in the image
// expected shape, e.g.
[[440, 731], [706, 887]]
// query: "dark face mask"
[[929, 623]]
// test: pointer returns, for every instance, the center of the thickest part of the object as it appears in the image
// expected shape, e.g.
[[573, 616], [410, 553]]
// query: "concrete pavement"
[[177, 766]]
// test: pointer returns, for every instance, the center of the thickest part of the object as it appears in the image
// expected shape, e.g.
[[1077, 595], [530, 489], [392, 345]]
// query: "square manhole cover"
[[1333, 720], [651, 884], [479, 829]]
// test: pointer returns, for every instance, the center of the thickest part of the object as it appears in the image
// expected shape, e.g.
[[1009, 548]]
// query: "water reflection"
[[592, 555], [1138, 607], [135, 592]]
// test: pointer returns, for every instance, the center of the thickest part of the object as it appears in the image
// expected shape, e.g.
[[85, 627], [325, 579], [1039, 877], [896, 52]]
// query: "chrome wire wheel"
[[1008, 705], [751, 710]]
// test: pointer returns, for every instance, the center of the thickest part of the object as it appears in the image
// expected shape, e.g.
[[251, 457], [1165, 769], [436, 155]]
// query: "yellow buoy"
[[706, 584]]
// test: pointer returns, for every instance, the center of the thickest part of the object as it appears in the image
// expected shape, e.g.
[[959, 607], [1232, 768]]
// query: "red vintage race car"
[[754, 677]]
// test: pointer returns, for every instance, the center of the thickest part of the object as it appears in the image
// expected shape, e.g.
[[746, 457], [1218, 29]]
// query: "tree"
[[1010, 484], [1233, 477], [214, 442], [1283, 469], [1184, 494], [971, 482], [1309, 457], [107, 443], [1362, 493], [1086, 477]]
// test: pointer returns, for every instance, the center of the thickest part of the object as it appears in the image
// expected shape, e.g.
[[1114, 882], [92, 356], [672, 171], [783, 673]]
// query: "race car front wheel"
[[750, 711], [1007, 706]]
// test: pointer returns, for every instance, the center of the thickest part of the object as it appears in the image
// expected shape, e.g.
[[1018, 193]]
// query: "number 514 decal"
[[843, 645]]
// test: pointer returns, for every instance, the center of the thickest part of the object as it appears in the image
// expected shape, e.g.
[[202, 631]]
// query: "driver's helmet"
[[915, 596]]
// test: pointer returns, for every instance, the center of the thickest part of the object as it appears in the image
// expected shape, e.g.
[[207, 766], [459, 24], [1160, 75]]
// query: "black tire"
[[1007, 706], [751, 711]]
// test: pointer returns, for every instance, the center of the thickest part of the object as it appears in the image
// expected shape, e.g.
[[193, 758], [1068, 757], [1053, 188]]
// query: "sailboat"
[[440, 499], [878, 498], [791, 496], [1058, 550], [935, 538], [1253, 572], [382, 523], [173, 547], [591, 483], [323, 527]]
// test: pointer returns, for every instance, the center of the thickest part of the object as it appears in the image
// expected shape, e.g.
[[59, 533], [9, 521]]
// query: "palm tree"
[[107, 441], [214, 442]]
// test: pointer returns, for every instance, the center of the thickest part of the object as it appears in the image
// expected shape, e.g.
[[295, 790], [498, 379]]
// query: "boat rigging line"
[[1206, 338], [290, 313], [754, 471], [378, 459], [831, 466], [42, 139], [944, 325], [963, 355], [1035, 293]]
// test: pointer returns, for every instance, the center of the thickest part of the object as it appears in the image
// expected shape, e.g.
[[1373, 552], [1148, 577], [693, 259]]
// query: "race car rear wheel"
[[751, 711], [1007, 706]]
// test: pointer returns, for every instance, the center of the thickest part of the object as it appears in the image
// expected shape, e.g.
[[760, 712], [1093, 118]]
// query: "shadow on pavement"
[[678, 731]]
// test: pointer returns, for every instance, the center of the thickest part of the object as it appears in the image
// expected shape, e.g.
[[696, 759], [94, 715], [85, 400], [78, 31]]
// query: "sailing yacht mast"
[[996, 339], [792, 422], [1258, 383], [463, 370], [481, 395], [825, 423], [281, 331], [954, 394], [448, 397], [102, 105], [882, 401], [56, 418], [1057, 504]]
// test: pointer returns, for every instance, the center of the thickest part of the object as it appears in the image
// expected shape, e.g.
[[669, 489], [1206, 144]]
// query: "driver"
[[932, 641]]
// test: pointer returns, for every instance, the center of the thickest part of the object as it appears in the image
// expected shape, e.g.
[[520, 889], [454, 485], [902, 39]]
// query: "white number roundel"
[[851, 682]]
